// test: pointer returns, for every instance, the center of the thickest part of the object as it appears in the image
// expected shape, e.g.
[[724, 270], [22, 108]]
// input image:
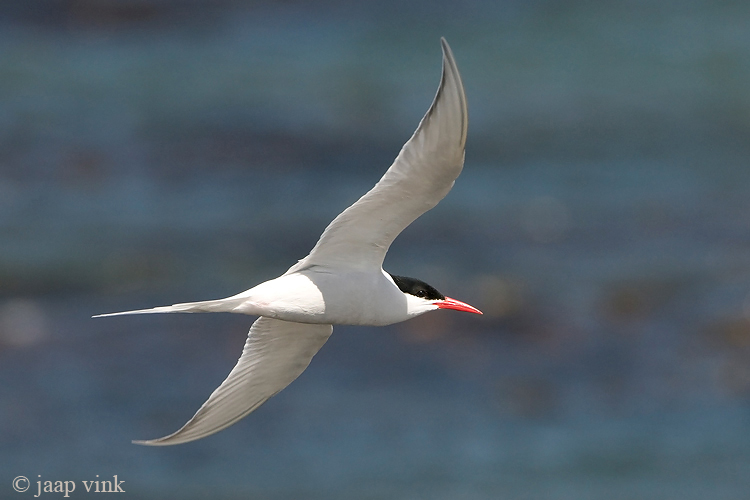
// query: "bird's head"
[[422, 298]]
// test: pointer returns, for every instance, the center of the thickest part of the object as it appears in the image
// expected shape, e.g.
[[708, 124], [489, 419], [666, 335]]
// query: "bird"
[[341, 281]]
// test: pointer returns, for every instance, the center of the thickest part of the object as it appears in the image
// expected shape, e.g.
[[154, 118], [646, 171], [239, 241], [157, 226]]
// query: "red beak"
[[449, 303]]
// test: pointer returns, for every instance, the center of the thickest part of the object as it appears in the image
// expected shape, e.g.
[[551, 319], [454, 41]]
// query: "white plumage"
[[342, 280], [275, 354]]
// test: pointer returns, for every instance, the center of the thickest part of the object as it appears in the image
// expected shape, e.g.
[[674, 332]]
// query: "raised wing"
[[276, 353], [422, 174]]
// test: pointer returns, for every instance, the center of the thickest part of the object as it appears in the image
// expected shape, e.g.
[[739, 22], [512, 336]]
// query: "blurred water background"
[[160, 151]]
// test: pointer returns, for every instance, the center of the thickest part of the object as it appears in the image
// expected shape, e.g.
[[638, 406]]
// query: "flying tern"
[[342, 280]]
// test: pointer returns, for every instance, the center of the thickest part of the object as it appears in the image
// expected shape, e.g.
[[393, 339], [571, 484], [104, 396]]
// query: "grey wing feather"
[[275, 354], [422, 174]]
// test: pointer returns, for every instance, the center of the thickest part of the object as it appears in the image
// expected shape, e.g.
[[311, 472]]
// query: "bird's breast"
[[321, 296]]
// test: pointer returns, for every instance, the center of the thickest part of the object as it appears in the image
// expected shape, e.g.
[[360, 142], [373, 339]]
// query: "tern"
[[342, 280]]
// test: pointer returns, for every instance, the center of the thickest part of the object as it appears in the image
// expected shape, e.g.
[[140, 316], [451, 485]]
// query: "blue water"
[[152, 153]]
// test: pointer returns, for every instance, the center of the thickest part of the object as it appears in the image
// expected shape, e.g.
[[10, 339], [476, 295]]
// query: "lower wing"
[[276, 353]]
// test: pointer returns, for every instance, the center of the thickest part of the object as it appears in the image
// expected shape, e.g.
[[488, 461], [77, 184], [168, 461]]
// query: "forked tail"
[[221, 305]]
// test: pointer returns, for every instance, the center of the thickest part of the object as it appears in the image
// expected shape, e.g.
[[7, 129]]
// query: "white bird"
[[342, 280]]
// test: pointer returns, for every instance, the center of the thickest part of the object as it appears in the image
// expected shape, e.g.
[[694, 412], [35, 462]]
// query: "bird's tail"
[[221, 305]]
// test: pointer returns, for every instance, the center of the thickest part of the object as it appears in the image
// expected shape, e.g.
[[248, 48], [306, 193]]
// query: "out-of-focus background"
[[160, 151]]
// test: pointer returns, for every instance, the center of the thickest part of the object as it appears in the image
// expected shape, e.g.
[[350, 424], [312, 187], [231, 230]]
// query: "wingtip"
[[444, 43], [447, 52], [150, 442], [445, 47], [176, 437], [450, 72]]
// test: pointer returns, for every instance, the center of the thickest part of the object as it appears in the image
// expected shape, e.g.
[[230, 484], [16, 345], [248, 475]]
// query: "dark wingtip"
[[450, 67]]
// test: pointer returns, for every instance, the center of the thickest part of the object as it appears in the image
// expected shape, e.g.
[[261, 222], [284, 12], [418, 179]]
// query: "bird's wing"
[[276, 353], [419, 178]]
